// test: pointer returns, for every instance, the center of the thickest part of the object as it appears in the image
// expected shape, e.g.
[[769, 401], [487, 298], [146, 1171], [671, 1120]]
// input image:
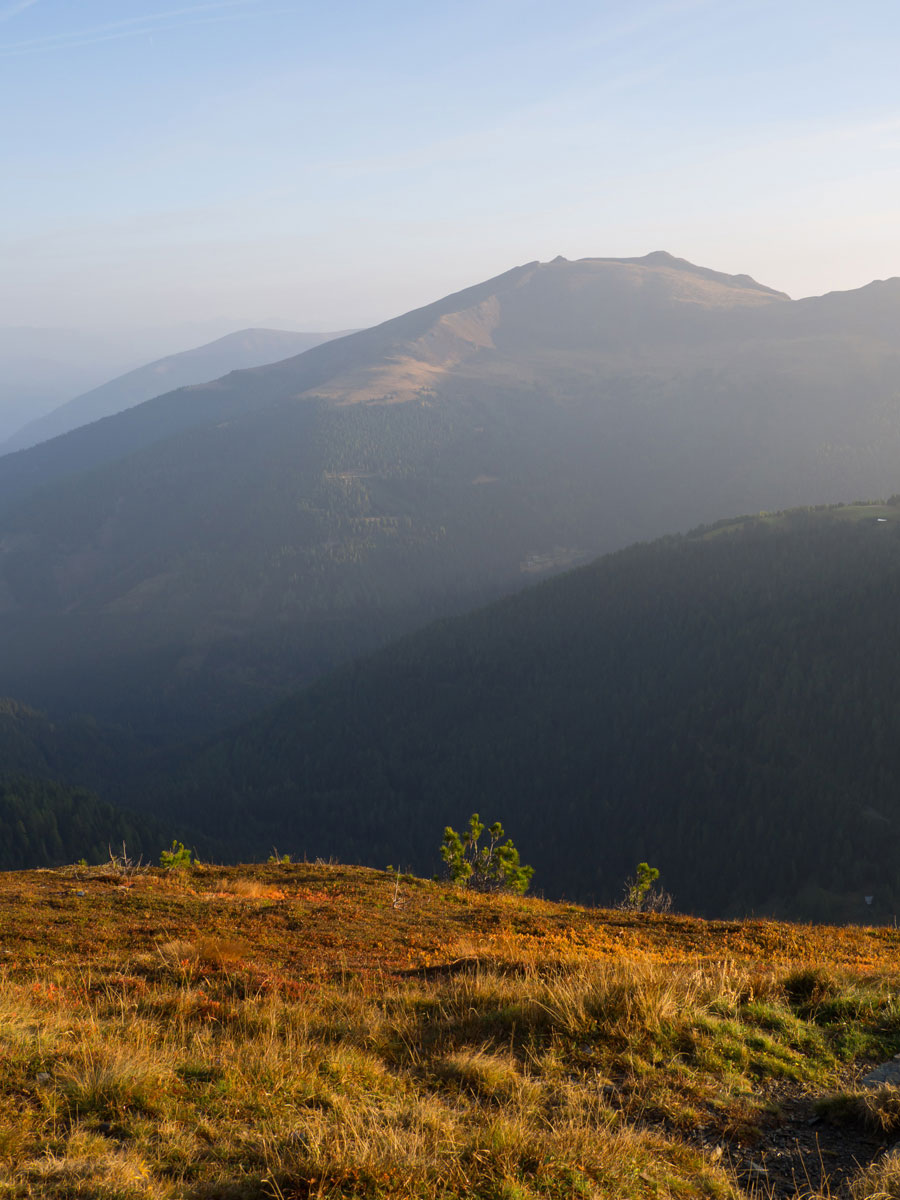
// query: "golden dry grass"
[[158, 1039], [880, 1181], [877, 1108]]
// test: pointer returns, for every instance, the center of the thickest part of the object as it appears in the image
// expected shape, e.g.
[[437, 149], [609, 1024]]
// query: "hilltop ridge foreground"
[[320, 1030]]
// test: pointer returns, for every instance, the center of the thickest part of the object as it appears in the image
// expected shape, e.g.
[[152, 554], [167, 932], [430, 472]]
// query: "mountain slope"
[[235, 351], [42, 368], [722, 705], [75, 750], [46, 824], [197, 556], [600, 306]]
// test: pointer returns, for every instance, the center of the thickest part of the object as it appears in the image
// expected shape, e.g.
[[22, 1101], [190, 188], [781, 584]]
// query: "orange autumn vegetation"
[[320, 1030]]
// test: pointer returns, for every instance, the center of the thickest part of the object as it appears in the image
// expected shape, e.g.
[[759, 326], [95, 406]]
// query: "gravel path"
[[800, 1152]]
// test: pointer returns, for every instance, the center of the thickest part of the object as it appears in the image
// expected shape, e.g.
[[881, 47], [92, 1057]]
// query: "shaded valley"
[[722, 705]]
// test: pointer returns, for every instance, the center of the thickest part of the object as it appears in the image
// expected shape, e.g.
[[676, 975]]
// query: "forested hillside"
[[74, 749], [183, 564], [45, 825], [723, 705]]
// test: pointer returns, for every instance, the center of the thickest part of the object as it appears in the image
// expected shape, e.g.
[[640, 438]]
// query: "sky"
[[328, 165]]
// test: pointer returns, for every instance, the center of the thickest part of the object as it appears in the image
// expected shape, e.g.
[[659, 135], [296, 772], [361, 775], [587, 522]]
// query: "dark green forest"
[[723, 705], [77, 749], [44, 824]]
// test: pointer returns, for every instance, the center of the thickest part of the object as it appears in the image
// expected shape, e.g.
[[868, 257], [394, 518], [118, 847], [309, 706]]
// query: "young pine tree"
[[493, 867]]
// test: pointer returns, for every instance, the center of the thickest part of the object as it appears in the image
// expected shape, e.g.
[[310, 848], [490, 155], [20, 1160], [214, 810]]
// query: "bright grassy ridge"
[[294, 1031]]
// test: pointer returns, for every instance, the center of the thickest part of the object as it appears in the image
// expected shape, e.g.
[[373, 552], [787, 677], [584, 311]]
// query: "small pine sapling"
[[494, 867], [177, 856], [640, 894]]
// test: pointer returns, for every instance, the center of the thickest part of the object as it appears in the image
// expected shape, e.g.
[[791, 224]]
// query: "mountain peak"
[[664, 260]]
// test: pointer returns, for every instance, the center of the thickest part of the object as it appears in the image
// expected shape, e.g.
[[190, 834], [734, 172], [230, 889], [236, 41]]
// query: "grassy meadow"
[[291, 1031]]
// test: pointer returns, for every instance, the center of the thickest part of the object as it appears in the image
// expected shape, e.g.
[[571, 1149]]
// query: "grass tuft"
[[881, 1181], [111, 1081], [876, 1109]]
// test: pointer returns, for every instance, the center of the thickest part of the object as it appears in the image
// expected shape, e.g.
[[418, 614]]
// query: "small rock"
[[888, 1072]]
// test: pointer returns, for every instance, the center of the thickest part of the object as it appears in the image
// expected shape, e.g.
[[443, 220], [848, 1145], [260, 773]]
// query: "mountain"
[[603, 307], [180, 564], [41, 368], [235, 351], [722, 705]]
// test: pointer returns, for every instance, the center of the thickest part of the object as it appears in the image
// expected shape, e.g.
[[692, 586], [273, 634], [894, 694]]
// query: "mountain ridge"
[[663, 258], [390, 339], [243, 348], [203, 552]]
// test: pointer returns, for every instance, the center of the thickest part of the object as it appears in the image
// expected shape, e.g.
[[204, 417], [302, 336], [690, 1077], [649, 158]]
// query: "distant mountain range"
[[235, 351], [181, 564], [42, 368]]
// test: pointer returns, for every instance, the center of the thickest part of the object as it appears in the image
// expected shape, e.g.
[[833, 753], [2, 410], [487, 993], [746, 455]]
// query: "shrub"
[[640, 894], [177, 856], [494, 867]]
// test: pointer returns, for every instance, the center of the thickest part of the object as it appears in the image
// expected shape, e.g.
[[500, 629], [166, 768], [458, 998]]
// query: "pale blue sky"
[[332, 164]]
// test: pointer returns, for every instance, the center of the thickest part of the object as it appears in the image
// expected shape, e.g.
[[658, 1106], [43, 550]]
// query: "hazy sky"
[[334, 163]]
